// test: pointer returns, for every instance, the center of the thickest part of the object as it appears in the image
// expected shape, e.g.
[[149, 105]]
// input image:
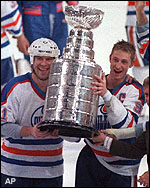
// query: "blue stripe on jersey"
[[134, 12], [146, 57], [121, 123], [135, 117], [19, 80], [38, 90], [35, 141], [3, 123], [28, 163], [133, 82], [9, 15], [5, 44], [140, 88], [119, 86], [142, 38], [15, 31], [125, 162], [13, 82]]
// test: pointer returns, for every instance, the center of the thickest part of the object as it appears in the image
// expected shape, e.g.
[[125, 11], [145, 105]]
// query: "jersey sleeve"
[[143, 41], [9, 112], [124, 109], [11, 19]]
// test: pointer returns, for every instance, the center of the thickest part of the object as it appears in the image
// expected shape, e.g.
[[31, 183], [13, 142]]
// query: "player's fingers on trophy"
[[100, 80], [37, 133], [103, 77], [98, 139], [97, 86], [42, 134], [108, 133], [97, 78], [54, 133]]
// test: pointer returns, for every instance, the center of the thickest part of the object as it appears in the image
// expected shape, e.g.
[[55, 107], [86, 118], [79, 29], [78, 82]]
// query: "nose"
[[118, 64], [44, 62]]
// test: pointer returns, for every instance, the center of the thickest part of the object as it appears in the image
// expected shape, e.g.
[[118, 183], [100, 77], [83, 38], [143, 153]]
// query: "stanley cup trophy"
[[70, 105]]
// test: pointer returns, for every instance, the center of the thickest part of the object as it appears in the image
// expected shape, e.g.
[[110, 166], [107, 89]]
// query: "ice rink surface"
[[105, 36]]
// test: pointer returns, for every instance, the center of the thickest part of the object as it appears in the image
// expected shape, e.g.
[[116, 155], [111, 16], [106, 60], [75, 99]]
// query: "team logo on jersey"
[[37, 115], [102, 108]]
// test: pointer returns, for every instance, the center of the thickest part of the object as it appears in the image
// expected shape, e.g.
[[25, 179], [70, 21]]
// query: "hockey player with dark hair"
[[32, 158]]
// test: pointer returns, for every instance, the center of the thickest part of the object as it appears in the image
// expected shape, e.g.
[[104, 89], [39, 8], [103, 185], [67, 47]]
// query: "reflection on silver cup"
[[70, 105]]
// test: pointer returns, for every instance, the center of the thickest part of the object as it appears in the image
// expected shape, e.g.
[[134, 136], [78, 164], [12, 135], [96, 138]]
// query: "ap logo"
[[10, 181]]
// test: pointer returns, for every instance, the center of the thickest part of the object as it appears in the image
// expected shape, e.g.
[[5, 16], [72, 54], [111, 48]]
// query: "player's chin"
[[44, 75], [44, 78], [119, 76]]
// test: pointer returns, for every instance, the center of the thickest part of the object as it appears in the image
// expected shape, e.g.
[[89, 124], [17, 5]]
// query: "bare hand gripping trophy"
[[70, 105]]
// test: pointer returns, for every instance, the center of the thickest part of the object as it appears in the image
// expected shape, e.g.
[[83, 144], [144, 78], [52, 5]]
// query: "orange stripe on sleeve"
[[13, 23]]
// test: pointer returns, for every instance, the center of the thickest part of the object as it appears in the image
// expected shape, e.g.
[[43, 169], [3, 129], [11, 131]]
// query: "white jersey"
[[125, 106], [143, 42], [131, 13], [22, 105], [10, 21]]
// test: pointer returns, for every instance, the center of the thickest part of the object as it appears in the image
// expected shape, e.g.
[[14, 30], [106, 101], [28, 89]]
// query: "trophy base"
[[68, 129]]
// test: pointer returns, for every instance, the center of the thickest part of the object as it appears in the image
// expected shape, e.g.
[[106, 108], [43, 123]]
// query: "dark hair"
[[126, 47], [146, 82]]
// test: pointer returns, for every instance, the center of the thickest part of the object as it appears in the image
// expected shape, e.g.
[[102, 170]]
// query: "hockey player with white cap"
[[33, 158]]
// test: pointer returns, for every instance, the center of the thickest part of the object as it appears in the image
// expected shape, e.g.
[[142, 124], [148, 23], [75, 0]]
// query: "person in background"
[[133, 150], [140, 69], [30, 157], [10, 23], [45, 19], [142, 30], [119, 107]]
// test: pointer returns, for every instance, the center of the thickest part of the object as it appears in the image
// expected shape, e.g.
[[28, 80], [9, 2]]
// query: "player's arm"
[[120, 148], [140, 13], [127, 132], [123, 111]]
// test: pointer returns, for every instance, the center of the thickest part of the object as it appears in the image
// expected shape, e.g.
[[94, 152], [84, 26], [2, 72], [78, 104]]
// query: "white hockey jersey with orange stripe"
[[125, 107], [10, 21], [22, 105]]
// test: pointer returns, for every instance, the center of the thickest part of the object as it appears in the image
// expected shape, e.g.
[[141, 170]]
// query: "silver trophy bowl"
[[83, 17], [70, 105]]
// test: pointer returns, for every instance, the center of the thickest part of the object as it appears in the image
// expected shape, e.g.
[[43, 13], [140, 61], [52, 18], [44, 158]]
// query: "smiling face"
[[41, 67], [120, 62]]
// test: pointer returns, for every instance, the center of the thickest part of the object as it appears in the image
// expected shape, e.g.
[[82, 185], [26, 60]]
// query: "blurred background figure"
[[10, 23], [141, 67], [45, 19]]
